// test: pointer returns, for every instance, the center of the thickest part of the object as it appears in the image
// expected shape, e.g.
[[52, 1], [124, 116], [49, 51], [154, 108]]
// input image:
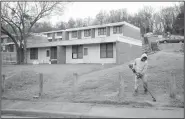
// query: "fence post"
[[121, 87], [172, 85], [3, 83], [40, 84], [75, 84]]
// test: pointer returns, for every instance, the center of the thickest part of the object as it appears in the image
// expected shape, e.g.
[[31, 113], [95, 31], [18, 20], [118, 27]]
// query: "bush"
[[154, 46]]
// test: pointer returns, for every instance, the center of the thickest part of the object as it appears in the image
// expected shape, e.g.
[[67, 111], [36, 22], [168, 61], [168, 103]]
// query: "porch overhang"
[[109, 39]]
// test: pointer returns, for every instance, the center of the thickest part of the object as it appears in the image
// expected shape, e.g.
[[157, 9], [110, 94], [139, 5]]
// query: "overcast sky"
[[85, 9]]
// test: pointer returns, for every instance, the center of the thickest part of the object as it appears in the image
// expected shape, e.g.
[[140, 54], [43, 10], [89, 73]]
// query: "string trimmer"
[[139, 77]]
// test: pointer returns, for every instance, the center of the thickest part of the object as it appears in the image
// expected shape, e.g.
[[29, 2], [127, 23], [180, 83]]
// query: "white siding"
[[42, 58], [93, 55]]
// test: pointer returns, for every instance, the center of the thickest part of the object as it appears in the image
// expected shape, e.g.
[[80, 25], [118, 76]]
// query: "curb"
[[49, 114]]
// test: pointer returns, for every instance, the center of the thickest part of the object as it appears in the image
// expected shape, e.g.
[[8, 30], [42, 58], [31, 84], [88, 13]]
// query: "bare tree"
[[79, 23], [101, 17], [61, 25], [168, 16], [42, 27], [145, 15], [71, 23], [21, 17]]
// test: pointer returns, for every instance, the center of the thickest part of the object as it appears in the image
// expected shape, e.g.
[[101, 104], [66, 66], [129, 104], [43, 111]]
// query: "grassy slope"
[[97, 85], [23, 80], [103, 85]]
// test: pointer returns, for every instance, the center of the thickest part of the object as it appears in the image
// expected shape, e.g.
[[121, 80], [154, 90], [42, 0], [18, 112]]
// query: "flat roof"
[[95, 26], [53, 31], [103, 25]]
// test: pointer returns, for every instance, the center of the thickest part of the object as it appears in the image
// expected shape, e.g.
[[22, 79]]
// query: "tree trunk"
[[20, 55], [25, 52]]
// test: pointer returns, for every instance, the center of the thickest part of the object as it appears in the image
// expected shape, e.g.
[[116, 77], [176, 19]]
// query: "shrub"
[[154, 46]]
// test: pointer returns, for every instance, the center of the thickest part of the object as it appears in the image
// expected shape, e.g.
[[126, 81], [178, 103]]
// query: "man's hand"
[[131, 67], [139, 75]]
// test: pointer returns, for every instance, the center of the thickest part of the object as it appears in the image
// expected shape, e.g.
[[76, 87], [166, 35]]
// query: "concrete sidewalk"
[[81, 110]]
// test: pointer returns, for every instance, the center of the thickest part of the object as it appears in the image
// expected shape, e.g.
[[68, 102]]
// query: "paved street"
[[60, 109]]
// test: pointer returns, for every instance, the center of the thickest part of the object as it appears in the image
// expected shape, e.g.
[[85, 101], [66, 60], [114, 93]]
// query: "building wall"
[[126, 31], [131, 32], [127, 52], [93, 55], [42, 58]]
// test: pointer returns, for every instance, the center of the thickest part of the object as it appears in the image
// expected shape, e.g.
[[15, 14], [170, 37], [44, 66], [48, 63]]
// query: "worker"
[[139, 67]]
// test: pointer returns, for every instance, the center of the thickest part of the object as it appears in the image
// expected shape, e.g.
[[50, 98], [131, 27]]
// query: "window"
[[10, 48], [101, 31], [2, 40], [9, 40], [53, 53], [106, 50], [77, 52], [49, 34], [87, 33], [117, 29], [50, 40], [74, 34], [85, 51], [59, 33], [47, 53], [55, 39], [34, 53]]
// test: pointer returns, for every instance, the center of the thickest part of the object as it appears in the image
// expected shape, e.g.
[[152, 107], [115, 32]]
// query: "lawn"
[[22, 81], [97, 83], [103, 86]]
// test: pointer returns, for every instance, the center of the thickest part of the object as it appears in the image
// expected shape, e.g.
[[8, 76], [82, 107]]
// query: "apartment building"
[[109, 43], [8, 50]]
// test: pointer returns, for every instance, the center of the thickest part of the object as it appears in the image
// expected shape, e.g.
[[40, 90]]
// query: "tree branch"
[[3, 30]]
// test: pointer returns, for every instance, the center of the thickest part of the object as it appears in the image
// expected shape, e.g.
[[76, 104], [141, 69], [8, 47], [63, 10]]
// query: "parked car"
[[171, 40]]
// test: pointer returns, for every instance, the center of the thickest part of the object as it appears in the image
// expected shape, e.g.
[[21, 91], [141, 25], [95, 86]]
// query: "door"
[[86, 55], [53, 55]]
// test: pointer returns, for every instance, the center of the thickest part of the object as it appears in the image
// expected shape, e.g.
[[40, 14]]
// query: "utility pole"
[[0, 68]]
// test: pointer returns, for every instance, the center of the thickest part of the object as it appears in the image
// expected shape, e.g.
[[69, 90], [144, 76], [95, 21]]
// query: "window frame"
[[49, 34], [11, 48], [104, 52], [33, 53], [78, 50], [87, 33], [117, 29], [85, 51], [74, 36], [102, 31], [47, 53], [59, 33], [2, 40]]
